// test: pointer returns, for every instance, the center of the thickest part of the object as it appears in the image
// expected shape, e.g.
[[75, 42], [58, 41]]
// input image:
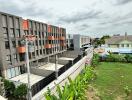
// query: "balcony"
[[51, 38], [21, 49], [62, 38], [25, 25], [48, 46]]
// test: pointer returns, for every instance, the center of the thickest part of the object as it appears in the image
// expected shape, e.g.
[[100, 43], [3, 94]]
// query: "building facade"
[[50, 40], [80, 41]]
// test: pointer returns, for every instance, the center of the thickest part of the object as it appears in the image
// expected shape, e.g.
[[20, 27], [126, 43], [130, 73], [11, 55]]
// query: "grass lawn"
[[111, 80]]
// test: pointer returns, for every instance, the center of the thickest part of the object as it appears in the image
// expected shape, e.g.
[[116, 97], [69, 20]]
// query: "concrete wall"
[[76, 42]]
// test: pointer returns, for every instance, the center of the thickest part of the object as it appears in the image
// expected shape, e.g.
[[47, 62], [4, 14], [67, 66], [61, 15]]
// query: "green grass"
[[112, 78]]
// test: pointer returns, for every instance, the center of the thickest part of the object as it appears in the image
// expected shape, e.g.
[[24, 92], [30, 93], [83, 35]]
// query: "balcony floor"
[[23, 78], [65, 58], [50, 66]]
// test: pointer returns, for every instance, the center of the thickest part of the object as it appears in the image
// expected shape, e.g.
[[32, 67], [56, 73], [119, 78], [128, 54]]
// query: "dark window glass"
[[7, 46]]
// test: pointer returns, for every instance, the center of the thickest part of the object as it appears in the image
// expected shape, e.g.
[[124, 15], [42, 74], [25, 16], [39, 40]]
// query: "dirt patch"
[[92, 94]]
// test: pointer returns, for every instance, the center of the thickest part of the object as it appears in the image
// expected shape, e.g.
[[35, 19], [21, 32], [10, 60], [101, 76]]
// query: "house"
[[119, 44]]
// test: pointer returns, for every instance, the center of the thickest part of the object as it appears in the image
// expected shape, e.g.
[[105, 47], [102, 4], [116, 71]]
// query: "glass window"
[[127, 45], [17, 71], [8, 57], [14, 44], [122, 45], [7, 46], [17, 33], [13, 72], [12, 32], [8, 73]]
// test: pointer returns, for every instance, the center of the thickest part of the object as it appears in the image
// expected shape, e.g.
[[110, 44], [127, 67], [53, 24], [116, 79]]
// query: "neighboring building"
[[120, 43], [69, 41], [80, 41], [50, 40]]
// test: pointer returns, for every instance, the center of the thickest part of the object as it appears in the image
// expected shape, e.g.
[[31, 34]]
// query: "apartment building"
[[80, 41], [50, 40]]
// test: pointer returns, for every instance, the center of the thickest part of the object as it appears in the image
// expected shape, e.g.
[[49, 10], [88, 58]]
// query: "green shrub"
[[128, 58], [127, 90], [9, 87], [13, 92], [95, 60], [116, 58], [21, 91], [75, 90]]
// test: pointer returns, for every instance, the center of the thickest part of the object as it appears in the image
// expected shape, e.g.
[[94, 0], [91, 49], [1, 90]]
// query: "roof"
[[117, 39]]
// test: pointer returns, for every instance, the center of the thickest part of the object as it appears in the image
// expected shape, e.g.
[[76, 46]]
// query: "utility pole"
[[28, 70], [27, 39], [56, 69]]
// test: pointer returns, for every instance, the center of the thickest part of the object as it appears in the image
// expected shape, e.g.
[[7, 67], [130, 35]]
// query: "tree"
[[98, 42]]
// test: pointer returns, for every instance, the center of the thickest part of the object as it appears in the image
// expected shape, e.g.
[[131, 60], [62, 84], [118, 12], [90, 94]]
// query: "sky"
[[94, 18]]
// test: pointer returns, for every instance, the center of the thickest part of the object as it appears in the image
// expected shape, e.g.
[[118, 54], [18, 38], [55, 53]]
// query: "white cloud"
[[91, 17]]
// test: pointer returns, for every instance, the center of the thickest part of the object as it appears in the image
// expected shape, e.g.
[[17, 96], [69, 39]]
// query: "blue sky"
[[88, 17]]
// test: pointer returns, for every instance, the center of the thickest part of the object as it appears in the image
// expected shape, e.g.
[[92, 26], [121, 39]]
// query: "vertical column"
[[2, 50], [10, 38], [16, 38]]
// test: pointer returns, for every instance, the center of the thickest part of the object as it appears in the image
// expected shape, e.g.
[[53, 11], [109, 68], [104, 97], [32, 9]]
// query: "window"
[[5, 32], [37, 52], [7, 46], [40, 42], [17, 71], [127, 45], [40, 52], [12, 32], [36, 42], [39, 35], [35, 32], [18, 33], [13, 74], [8, 73], [8, 57], [15, 56], [14, 44], [122, 45]]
